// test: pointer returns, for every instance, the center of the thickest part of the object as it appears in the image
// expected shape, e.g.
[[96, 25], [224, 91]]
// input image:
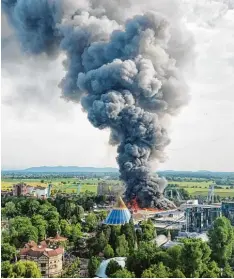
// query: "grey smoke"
[[125, 71]]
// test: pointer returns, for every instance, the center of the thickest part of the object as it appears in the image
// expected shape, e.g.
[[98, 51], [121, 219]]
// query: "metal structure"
[[210, 197], [200, 218], [228, 211], [173, 193]]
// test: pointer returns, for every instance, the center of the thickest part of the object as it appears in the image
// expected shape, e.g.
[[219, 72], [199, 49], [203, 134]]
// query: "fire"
[[134, 206]]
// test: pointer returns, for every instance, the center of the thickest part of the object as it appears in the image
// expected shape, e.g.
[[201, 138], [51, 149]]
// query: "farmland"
[[69, 185], [200, 188]]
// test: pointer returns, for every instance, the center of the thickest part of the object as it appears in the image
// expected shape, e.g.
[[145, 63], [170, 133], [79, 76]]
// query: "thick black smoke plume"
[[125, 76]]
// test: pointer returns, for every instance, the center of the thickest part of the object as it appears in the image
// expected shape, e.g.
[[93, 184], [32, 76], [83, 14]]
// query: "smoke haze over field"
[[135, 79]]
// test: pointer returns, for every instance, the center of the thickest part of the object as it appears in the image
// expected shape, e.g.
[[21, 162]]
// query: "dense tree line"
[[21, 269], [32, 219], [193, 258]]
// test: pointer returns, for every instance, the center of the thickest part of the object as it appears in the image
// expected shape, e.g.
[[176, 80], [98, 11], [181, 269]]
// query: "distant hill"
[[69, 169], [75, 169]]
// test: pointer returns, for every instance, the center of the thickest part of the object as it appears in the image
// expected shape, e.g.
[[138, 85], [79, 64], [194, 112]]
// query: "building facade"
[[20, 189], [49, 261], [41, 192]]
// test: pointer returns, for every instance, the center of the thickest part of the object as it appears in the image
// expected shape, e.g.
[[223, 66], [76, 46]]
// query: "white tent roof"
[[101, 272]]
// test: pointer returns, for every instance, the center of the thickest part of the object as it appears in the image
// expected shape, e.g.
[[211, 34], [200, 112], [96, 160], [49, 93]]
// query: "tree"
[[195, 255], [177, 274], [174, 254], [115, 232], [107, 231], [79, 212], [102, 215], [112, 267], [108, 252], [19, 269], [53, 228], [221, 241], [101, 242], [227, 272], [76, 233], [6, 269], [123, 273], [52, 215], [91, 222], [93, 265], [33, 207], [148, 230], [66, 228], [8, 252], [32, 270], [122, 249], [22, 231], [142, 258], [184, 193], [41, 224], [212, 271], [25, 269], [10, 210], [73, 269], [156, 271], [129, 231]]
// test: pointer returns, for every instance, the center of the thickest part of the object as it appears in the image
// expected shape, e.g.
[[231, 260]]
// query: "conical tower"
[[119, 215]]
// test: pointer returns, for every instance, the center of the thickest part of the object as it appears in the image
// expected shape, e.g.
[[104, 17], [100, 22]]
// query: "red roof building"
[[49, 261]]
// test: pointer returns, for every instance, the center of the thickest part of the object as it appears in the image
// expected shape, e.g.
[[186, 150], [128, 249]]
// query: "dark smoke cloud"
[[34, 23], [124, 72]]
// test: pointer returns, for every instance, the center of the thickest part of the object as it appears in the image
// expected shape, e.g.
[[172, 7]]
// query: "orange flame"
[[134, 206]]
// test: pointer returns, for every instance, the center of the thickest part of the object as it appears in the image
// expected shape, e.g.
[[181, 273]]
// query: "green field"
[[69, 185], [196, 188]]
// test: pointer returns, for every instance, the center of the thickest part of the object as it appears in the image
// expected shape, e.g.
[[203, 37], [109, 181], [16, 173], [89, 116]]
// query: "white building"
[[41, 192]]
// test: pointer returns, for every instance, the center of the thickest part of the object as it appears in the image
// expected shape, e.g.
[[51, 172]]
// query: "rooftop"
[[119, 214], [120, 204], [34, 250], [101, 272], [57, 238]]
